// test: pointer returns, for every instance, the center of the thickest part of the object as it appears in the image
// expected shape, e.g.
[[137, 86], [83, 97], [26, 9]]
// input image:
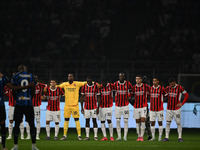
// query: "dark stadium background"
[[102, 38]]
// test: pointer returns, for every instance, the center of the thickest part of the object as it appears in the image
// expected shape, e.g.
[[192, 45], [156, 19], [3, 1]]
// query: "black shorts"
[[2, 113], [24, 110]]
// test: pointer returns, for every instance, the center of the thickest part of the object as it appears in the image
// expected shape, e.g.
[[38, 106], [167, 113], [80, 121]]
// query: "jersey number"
[[24, 82]]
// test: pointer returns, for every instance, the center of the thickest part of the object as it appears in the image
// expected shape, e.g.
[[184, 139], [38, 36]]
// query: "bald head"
[[21, 68]]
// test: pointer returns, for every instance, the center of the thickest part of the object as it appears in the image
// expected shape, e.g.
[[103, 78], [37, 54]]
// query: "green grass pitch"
[[191, 139]]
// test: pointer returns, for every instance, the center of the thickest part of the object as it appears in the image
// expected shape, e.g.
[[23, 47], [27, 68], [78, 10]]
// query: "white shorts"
[[11, 113], [119, 111], [139, 113], [176, 114], [90, 113], [37, 112], [105, 113], [157, 114], [53, 116]]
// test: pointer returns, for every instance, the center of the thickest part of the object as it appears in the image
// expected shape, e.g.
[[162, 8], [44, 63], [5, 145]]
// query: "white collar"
[[122, 83], [90, 85], [53, 89], [156, 87], [140, 85]]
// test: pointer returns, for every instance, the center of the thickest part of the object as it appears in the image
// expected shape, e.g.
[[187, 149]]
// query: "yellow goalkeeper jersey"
[[71, 92]]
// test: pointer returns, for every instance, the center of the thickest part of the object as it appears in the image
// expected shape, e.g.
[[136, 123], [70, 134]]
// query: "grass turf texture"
[[191, 139]]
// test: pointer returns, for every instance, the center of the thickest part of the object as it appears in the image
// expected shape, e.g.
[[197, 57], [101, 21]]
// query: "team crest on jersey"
[[74, 84]]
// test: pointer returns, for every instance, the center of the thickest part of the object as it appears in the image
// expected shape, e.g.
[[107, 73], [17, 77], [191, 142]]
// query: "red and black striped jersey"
[[121, 93], [9, 93], [90, 93], [174, 96], [106, 95], [53, 97], [38, 91], [156, 98], [140, 93]]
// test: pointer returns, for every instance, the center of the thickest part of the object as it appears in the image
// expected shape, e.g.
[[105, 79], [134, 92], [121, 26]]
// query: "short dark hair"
[[52, 79], [71, 74], [104, 79], [156, 77], [171, 79], [122, 73], [139, 75]]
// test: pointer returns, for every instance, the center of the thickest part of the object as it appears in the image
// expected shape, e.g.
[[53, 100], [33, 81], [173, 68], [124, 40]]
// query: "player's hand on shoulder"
[[179, 105], [45, 89]]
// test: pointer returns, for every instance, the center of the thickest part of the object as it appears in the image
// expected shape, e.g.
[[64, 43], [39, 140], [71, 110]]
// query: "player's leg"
[[18, 116], [37, 118], [3, 126], [148, 126], [56, 130], [76, 115], [28, 131], [136, 116], [29, 114], [160, 116], [49, 118], [109, 120], [152, 120], [56, 119], [21, 126], [102, 116], [95, 127], [67, 115], [143, 118], [118, 114], [169, 118], [125, 116], [177, 117], [87, 124], [10, 125]]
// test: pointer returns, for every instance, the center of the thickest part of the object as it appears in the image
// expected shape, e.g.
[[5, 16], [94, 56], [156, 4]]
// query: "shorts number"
[[24, 82], [126, 112], [58, 116], [38, 113], [95, 111], [75, 113], [178, 116], [145, 111], [109, 114], [161, 115]]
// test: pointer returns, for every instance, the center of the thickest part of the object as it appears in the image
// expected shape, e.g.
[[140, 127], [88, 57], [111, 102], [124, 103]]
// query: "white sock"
[[33, 145], [160, 131], [87, 131], [27, 129], [103, 129], [22, 129], [95, 132], [179, 129], [10, 128], [153, 130], [167, 129], [48, 130], [38, 127], [110, 129], [16, 146], [138, 129], [125, 127], [56, 130], [118, 126], [142, 128]]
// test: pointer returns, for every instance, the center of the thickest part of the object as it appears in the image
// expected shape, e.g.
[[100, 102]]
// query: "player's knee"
[[143, 119], [47, 122], [152, 123], [66, 119], [102, 121], [125, 120], [56, 123], [11, 121], [137, 120], [87, 120], [76, 119], [109, 121], [178, 122], [118, 120], [94, 120], [160, 123], [37, 121]]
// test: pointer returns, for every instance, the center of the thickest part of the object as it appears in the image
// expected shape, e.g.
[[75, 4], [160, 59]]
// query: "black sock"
[[16, 132], [3, 135]]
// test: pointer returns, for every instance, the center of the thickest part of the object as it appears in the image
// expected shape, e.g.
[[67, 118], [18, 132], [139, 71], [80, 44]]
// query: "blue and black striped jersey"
[[23, 97], [3, 81]]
